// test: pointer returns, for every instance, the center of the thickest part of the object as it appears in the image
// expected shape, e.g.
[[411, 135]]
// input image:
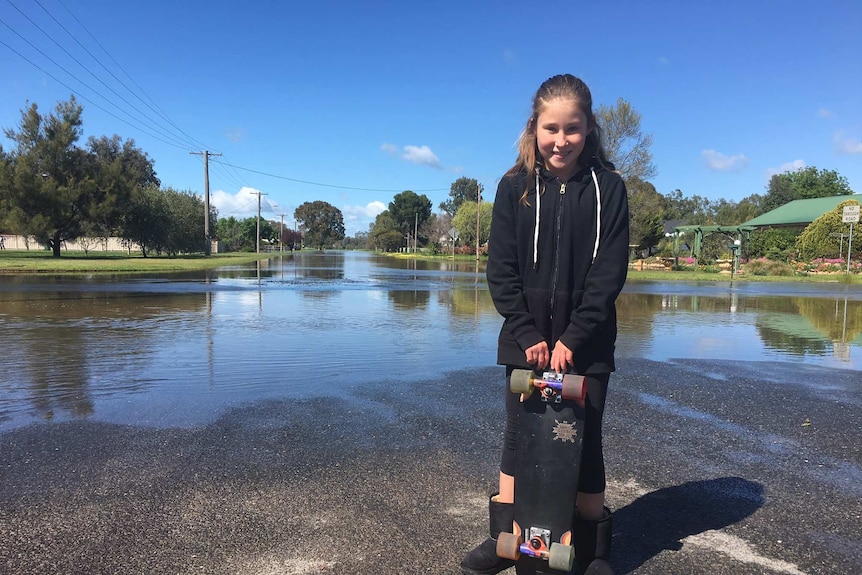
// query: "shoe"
[[593, 544], [483, 560]]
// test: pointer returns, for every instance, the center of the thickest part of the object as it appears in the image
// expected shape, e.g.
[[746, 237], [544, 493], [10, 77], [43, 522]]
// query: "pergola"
[[741, 233], [791, 214]]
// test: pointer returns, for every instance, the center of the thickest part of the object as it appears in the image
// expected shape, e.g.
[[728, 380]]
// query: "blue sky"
[[354, 102]]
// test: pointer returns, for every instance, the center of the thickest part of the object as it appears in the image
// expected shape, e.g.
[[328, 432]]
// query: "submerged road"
[[713, 467]]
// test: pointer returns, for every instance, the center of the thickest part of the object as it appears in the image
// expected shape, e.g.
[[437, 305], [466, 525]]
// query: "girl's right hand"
[[538, 355]]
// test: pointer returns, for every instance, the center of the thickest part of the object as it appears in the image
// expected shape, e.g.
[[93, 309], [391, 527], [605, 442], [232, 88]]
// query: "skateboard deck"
[[547, 459]]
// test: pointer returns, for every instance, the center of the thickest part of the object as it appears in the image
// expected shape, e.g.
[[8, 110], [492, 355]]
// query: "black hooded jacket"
[[568, 292]]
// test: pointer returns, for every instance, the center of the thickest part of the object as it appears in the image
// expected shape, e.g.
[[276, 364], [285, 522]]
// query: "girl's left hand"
[[561, 358]]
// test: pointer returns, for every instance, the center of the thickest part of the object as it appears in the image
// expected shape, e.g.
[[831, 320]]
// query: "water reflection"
[[735, 326], [177, 349], [61, 350]]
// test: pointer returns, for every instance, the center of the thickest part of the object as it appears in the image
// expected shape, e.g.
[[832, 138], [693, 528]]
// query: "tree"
[[321, 223], [409, 209], [646, 214], [118, 169], [384, 233], [803, 184], [822, 236], [436, 229], [626, 146], [49, 192], [229, 232], [165, 221], [56, 191], [693, 210], [772, 243], [288, 237], [357, 242], [462, 190], [147, 220], [465, 222], [185, 222], [729, 213]]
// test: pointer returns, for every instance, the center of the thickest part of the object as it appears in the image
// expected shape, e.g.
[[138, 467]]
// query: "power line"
[[176, 141], [162, 132], [157, 109], [82, 96], [142, 117], [278, 177]]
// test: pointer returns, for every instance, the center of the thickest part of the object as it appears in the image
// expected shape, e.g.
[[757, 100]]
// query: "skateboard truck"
[[538, 543], [554, 387], [560, 556]]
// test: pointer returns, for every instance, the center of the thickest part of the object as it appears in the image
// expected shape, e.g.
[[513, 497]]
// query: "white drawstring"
[[536, 231], [598, 218], [598, 214]]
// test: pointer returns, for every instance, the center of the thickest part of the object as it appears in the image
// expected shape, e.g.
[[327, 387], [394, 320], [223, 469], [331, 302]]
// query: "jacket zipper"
[[559, 227]]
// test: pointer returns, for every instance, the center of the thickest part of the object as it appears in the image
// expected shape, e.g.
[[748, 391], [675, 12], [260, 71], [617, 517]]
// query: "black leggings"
[[592, 475]]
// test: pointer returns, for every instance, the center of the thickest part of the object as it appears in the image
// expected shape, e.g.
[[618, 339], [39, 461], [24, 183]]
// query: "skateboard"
[[548, 459]]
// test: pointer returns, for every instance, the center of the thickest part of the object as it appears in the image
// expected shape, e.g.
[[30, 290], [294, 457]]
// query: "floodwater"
[[178, 350]]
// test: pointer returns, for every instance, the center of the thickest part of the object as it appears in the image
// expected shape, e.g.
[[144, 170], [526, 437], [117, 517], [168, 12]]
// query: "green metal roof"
[[800, 212]]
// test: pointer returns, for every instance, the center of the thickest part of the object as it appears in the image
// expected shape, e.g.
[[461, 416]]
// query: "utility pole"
[[416, 234], [206, 154], [259, 194], [281, 235]]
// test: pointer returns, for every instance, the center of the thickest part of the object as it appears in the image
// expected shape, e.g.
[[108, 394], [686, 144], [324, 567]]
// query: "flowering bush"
[[828, 266], [767, 267]]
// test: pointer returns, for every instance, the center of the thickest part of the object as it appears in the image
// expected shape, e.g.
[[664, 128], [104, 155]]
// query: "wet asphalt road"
[[713, 468]]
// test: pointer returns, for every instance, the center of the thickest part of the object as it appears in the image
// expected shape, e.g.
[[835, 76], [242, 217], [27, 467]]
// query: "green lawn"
[[41, 261]]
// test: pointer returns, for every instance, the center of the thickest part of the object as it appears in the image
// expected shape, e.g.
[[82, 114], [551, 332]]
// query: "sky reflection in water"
[[178, 350]]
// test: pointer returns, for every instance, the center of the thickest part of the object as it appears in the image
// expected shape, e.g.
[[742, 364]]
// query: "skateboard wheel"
[[520, 381], [508, 545], [561, 557], [574, 387]]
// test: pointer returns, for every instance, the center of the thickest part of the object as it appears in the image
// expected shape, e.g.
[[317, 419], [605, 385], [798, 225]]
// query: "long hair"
[[571, 88]]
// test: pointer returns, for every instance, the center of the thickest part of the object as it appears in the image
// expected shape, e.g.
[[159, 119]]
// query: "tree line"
[[55, 190], [628, 148]]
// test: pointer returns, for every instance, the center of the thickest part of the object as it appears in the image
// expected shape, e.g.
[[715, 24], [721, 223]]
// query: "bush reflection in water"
[[179, 349]]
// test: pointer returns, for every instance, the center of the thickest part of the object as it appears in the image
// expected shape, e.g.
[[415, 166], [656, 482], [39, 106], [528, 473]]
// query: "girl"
[[557, 261]]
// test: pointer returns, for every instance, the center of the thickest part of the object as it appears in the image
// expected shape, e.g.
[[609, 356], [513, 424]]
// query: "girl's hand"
[[538, 355], [562, 358]]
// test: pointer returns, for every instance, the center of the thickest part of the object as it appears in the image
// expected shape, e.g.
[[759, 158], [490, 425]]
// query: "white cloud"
[[845, 145], [421, 155], [241, 204], [825, 113], [718, 162], [793, 166], [235, 134], [368, 211], [358, 218]]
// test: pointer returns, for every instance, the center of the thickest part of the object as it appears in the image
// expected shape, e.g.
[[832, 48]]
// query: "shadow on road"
[[662, 519]]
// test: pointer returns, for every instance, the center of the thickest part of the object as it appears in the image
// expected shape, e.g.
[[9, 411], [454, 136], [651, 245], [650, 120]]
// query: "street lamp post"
[[478, 211], [675, 236], [735, 251]]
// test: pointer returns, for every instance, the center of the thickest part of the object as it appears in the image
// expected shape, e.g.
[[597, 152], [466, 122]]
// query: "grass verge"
[[42, 262], [673, 275]]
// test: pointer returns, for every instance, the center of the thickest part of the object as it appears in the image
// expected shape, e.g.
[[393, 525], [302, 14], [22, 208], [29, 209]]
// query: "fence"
[[112, 244]]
